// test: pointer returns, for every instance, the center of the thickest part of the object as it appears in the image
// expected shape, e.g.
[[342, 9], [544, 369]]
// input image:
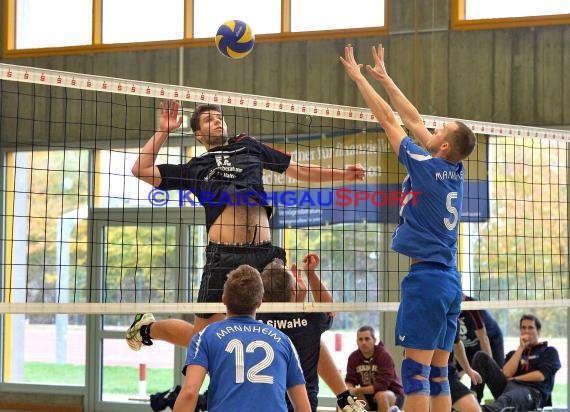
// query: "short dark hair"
[[530, 316], [243, 290], [277, 282], [367, 329], [195, 118], [463, 142]]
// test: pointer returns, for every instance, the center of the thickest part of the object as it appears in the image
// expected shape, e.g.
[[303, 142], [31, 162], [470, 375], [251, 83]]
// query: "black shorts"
[[222, 259], [457, 388], [374, 407], [497, 348]]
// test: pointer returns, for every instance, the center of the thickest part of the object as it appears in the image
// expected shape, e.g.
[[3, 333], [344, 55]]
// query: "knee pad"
[[439, 388], [411, 384]]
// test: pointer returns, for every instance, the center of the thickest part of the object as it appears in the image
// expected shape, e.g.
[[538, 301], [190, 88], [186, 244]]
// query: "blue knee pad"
[[439, 388], [411, 384]]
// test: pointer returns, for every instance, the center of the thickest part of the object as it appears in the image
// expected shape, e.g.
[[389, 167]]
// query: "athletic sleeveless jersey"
[[304, 330], [251, 365], [234, 169], [427, 230]]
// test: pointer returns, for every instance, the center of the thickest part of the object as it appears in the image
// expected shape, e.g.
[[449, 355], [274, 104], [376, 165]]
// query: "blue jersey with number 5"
[[429, 217], [251, 365]]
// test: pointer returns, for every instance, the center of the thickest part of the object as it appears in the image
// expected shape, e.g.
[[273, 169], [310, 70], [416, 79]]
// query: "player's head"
[[278, 282], [243, 291], [530, 326], [366, 340], [208, 124], [463, 141], [454, 142]]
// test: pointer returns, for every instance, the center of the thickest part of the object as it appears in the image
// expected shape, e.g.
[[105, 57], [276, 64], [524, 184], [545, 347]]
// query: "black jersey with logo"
[[304, 329], [226, 175], [472, 320]]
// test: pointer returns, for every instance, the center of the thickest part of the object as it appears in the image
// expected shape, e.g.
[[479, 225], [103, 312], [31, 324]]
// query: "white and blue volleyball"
[[235, 39]]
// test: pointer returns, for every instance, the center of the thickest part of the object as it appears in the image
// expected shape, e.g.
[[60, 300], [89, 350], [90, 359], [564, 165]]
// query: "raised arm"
[[380, 108], [314, 173], [301, 292], [511, 366], [144, 167], [318, 289], [408, 113]]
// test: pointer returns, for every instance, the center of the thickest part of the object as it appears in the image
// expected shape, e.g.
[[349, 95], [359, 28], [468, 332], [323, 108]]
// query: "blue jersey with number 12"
[[251, 365], [429, 220]]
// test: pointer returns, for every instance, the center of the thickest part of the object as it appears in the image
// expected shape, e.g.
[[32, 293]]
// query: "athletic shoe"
[[162, 400], [354, 406], [134, 338], [394, 409]]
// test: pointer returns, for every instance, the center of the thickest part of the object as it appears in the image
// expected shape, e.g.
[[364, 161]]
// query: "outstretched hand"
[[169, 116], [311, 261], [475, 377], [379, 70], [351, 66], [525, 341]]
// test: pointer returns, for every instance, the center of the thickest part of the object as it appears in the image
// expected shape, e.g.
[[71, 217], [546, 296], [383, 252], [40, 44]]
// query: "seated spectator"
[[479, 331], [527, 378], [371, 374], [462, 399]]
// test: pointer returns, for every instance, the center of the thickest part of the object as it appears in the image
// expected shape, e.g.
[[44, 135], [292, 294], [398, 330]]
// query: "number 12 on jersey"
[[253, 373]]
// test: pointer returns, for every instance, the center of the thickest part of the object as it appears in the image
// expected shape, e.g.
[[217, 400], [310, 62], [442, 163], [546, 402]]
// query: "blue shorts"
[[429, 307]]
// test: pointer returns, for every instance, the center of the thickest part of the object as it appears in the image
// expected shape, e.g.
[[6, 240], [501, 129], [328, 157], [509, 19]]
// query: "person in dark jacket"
[[479, 331], [371, 374], [462, 399], [527, 378]]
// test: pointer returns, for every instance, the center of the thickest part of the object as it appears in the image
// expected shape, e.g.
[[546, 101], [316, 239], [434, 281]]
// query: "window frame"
[[97, 46], [459, 22]]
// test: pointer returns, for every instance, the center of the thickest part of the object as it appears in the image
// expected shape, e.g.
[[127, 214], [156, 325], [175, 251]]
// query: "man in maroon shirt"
[[371, 374]]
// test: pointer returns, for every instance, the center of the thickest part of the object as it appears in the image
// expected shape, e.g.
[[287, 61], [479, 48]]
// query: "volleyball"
[[235, 39]]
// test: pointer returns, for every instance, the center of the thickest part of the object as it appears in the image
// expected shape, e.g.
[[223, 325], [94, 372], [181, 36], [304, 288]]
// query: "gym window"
[[49, 27], [492, 14]]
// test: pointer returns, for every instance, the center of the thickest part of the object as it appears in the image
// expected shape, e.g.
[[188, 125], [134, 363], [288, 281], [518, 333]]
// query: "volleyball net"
[[80, 234]]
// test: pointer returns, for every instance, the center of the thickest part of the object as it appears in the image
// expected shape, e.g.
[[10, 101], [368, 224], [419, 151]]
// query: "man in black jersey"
[[305, 328], [238, 231]]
